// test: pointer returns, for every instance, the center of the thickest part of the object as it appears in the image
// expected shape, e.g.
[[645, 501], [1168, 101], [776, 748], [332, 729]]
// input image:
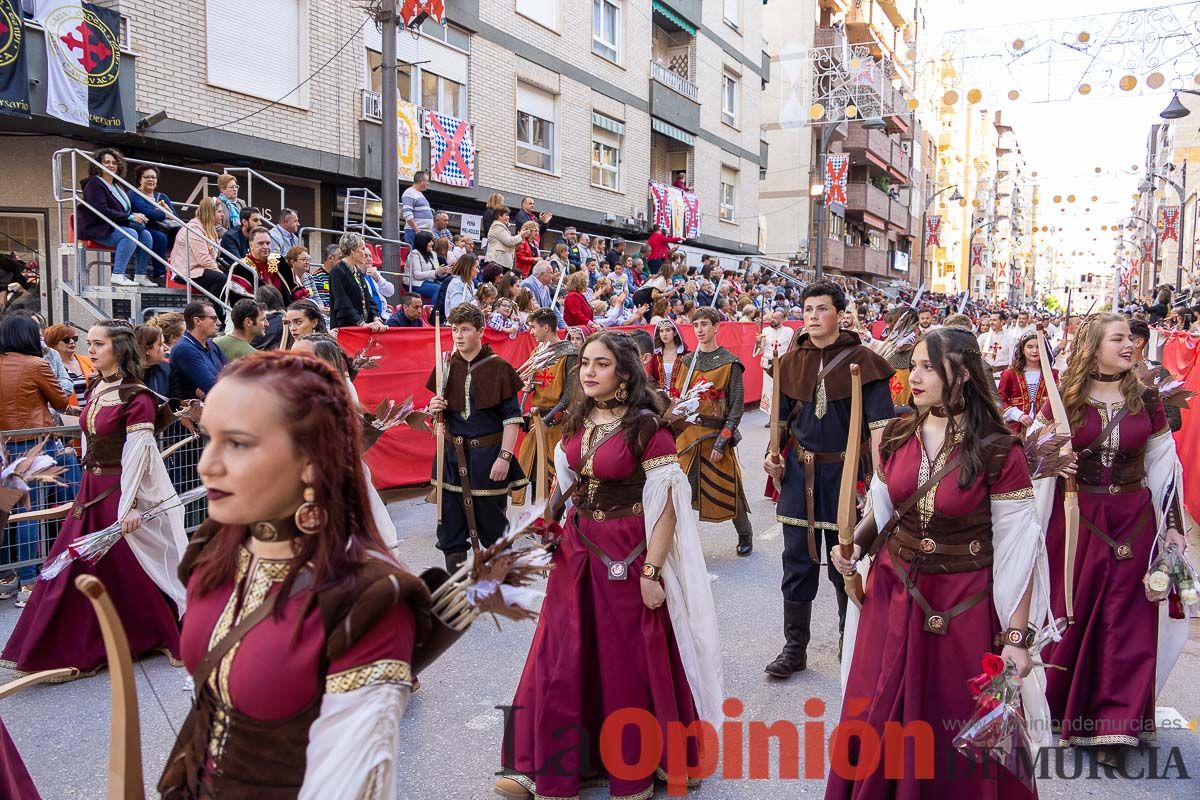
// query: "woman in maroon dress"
[[960, 572], [301, 628], [123, 475], [628, 620], [1127, 464], [1022, 390]]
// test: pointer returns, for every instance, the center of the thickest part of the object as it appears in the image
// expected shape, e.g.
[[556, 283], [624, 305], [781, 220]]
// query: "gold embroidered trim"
[[659, 461], [1108, 450], [1114, 738], [879, 473], [139, 426], [592, 432], [377, 673], [450, 487], [1019, 494], [803, 523], [513, 421], [879, 423], [1166, 431]]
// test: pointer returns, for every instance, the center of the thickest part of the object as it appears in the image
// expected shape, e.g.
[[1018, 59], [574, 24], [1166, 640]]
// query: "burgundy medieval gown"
[[902, 673], [15, 783], [59, 628], [1106, 696], [597, 648]]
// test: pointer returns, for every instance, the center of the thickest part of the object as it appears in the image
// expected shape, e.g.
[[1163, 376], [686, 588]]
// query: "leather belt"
[[461, 445], [1112, 488], [599, 515], [938, 622], [1122, 550], [710, 422], [77, 512], [929, 547], [102, 469], [617, 570], [809, 460]]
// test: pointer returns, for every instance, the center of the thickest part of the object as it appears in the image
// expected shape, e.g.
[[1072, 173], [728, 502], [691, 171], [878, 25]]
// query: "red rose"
[[993, 665], [978, 684], [989, 703]]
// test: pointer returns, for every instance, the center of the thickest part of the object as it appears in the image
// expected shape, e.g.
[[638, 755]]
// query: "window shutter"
[[536, 102], [274, 64]]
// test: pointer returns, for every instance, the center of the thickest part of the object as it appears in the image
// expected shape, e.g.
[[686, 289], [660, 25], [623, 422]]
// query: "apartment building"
[[578, 103], [814, 45], [1172, 152]]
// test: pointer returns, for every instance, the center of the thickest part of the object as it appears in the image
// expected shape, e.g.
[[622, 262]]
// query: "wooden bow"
[[125, 739], [775, 432], [847, 506], [1070, 487], [439, 378]]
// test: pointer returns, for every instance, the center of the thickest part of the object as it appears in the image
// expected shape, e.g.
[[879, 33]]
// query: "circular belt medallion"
[[616, 569], [462, 470], [637, 509], [598, 515], [97, 470], [1124, 551], [928, 545], [937, 622], [975, 547], [458, 440], [1114, 489], [474, 443]]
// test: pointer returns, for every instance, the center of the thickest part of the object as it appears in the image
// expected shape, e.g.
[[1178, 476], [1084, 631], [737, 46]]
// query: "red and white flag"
[[1168, 222], [837, 167], [933, 231]]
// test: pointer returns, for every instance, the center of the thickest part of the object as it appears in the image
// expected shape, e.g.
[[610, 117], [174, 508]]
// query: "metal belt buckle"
[[936, 623], [975, 547], [474, 443], [1114, 489], [1124, 551], [808, 458], [598, 515], [617, 571], [928, 545], [462, 470], [637, 509], [458, 440], [97, 470]]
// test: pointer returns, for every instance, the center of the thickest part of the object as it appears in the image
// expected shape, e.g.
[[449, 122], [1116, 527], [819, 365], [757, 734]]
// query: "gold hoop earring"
[[622, 393], [310, 517]]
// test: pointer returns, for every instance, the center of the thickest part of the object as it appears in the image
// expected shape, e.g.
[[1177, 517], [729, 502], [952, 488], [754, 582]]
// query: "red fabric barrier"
[[403, 457], [1180, 355]]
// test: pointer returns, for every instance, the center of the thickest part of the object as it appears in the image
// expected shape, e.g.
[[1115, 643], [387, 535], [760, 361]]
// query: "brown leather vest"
[[946, 544], [1128, 466], [104, 450], [610, 495]]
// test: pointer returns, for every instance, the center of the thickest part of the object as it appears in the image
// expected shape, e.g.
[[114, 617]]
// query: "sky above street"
[[1072, 116]]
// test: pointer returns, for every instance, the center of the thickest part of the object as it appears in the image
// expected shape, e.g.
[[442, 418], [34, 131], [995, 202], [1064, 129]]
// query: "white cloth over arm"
[[1164, 475], [353, 744], [158, 544], [685, 581]]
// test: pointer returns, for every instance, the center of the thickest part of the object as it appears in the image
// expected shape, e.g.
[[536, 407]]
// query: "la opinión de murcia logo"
[[10, 34], [85, 46]]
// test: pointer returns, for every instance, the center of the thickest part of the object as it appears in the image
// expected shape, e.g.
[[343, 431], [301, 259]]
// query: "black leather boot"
[[745, 545], [794, 658], [454, 561]]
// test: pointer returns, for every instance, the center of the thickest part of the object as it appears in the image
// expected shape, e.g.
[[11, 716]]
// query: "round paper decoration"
[[1058, 198], [816, 111], [974, 96], [913, 103], [1014, 95], [1155, 80], [950, 97], [1129, 83], [1018, 44], [1084, 37], [851, 111]]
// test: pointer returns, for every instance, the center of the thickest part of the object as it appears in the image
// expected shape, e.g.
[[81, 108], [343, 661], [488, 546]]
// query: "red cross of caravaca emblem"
[[4, 29], [453, 147], [94, 51], [544, 377]]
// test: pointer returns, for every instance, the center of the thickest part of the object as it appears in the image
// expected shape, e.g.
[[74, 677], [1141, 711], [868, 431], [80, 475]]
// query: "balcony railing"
[[865, 259], [866, 197], [673, 80], [372, 105]]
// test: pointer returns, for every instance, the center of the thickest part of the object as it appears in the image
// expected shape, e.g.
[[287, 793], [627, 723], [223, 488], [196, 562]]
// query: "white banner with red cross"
[[837, 169], [933, 231], [976, 255], [1168, 223]]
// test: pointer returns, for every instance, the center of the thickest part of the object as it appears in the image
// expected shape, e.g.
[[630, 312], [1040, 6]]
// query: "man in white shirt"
[[774, 341], [1022, 327], [925, 321], [996, 344]]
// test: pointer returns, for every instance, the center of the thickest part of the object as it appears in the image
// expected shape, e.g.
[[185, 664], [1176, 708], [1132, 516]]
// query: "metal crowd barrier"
[[34, 525]]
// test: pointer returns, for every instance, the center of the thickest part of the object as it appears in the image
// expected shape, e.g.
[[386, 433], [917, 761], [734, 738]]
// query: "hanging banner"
[[451, 150], [408, 142], [837, 168], [1168, 223], [14, 72], [976, 255], [1148, 250], [677, 211], [83, 62], [933, 231]]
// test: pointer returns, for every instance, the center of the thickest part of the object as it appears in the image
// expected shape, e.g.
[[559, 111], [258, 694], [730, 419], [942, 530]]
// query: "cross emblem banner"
[[1168, 223], [933, 231], [837, 167]]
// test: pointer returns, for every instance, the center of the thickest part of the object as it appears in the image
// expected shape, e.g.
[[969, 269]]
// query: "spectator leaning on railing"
[[28, 389], [113, 211]]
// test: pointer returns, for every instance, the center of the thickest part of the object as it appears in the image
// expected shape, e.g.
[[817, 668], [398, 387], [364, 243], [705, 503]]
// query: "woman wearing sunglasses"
[[65, 339]]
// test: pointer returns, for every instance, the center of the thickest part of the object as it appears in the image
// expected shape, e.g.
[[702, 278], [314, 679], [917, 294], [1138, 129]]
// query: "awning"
[[686, 26], [667, 129], [608, 123]]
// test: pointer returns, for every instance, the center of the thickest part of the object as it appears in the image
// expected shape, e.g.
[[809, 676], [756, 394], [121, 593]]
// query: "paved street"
[[453, 732]]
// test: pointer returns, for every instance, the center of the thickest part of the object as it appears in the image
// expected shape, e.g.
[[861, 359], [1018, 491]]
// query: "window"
[[443, 95], [543, 12], [403, 76], [729, 178], [729, 98], [835, 226], [876, 241], [733, 12], [535, 128], [606, 152], [277, 63], [606, 28]]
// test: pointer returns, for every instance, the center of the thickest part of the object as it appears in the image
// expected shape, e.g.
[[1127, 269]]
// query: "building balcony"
[[835, 254], [673, 80], [866, 198], [832, 38], [874, 145], [901, 163], [866, 260], [898, 215], [684, 14], [669, 102]]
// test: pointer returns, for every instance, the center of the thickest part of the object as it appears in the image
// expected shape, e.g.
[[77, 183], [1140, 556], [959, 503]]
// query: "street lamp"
[[1147, 186], [1176, 109], [954, 198]]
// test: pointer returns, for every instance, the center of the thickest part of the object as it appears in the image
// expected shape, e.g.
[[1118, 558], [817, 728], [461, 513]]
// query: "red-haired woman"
[[1119, 651], [123, 475], [1022, 390], [300, 628]]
